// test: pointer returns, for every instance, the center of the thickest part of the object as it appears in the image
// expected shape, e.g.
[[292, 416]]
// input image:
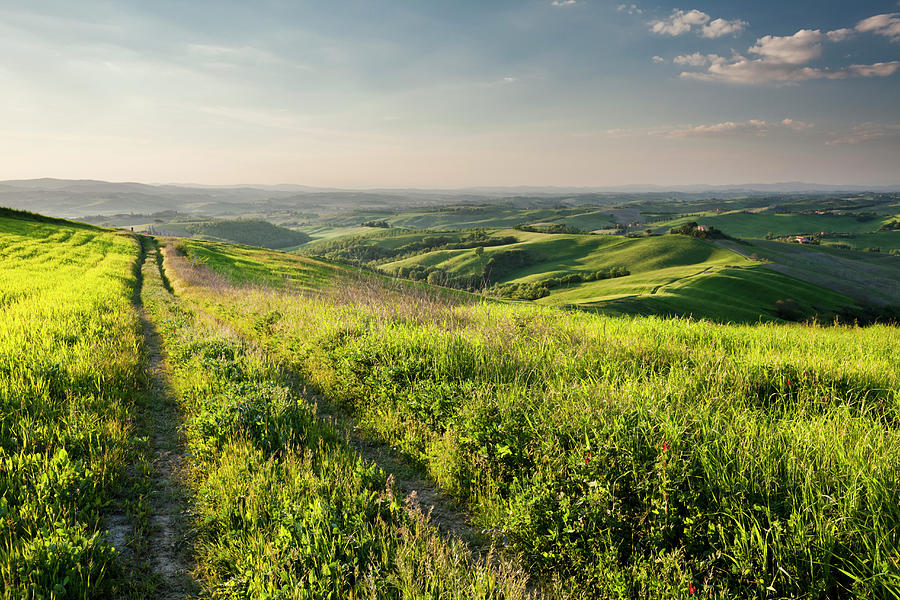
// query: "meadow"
[[587, 455], [617, 457], [668, 275], [284, 506], [70, 367]]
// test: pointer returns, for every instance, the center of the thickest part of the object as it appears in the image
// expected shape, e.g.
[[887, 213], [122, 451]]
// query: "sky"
[[458, 93]]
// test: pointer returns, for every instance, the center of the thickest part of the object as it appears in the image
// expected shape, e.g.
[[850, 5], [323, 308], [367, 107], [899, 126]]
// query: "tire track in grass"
[[167, 555], [423, 499]]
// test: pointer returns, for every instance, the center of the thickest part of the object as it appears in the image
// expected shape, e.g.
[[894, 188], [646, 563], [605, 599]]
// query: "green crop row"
[[284, 508], [621, 457], [70, 365]]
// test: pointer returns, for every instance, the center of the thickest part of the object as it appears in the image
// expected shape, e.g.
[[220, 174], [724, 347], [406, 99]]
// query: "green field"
[[634, 456], [668, 274], [70, 367], [348, 435], [884, 241], [758, 225]]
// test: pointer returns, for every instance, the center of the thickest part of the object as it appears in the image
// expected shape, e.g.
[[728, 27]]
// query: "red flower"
[[692, 589], [665, 446], [789, 382], [587, 457]]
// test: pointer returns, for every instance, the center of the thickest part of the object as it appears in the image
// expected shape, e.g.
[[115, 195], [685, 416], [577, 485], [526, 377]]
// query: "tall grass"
[[284, 507], [70, 363], [621, 457]]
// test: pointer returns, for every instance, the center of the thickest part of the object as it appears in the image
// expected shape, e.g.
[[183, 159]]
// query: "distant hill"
[[76, 198], [251, 232]]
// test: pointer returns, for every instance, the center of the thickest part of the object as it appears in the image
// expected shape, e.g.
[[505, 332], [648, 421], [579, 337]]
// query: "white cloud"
[[887, 25], [681, 22], [783, 59], [882, 69], [752, 128], [631, 9], [698, 60], [796, 125], [563, 3], [728, 128], [658, 59], [798, 49], [866, 132], [839, 35], [720, 27]]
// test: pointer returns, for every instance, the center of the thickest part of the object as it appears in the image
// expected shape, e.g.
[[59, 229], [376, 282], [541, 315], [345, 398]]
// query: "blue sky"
[[451, 94]]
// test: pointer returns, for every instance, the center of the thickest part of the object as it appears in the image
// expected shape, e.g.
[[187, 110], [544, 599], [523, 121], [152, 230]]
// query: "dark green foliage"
[[789, 310], [373, 249], [532, 290], [382, 224], [552, 228], [703, 232], [251, 232]]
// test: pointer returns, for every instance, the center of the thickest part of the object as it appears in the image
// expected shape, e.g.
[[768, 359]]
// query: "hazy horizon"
[[399, 94]]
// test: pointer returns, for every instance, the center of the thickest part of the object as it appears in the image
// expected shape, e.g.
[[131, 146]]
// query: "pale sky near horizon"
[[408, 93]]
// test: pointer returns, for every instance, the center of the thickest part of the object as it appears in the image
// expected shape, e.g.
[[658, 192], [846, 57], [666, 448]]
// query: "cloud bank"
[[787, 59], [681, 22]]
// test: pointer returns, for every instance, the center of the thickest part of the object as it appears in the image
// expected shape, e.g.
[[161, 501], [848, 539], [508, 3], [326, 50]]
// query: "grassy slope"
[[671, 275], [241, 264], [286, 508], [756, 225], [70, 367], [872, 277], [631, 457]]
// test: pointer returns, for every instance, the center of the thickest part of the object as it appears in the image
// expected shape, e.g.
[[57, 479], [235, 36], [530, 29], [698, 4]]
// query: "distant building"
[[801, 239], [702, 228]]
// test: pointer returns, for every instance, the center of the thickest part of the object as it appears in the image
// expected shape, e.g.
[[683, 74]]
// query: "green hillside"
[[641, 455], [295, 423], [667, 274], [758, 225], [252, 232]]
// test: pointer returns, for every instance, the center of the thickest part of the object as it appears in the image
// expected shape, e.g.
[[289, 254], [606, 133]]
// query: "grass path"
[[420, 493], [428, 532], [163, 551]]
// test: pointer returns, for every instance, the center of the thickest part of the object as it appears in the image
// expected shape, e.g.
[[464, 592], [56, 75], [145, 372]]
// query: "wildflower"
[[666, 446], [692, 589], [587, 457]]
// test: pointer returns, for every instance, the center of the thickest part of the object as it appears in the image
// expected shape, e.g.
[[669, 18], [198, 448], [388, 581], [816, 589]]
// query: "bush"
[[789, 310], [702, 232], [251, 232]]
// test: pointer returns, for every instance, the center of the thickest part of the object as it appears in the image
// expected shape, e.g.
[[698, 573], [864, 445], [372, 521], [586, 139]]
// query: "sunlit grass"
[[70, 363], [624, 457]]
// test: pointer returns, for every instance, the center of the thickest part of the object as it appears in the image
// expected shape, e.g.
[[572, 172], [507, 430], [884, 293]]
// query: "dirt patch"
[[119, 532]]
